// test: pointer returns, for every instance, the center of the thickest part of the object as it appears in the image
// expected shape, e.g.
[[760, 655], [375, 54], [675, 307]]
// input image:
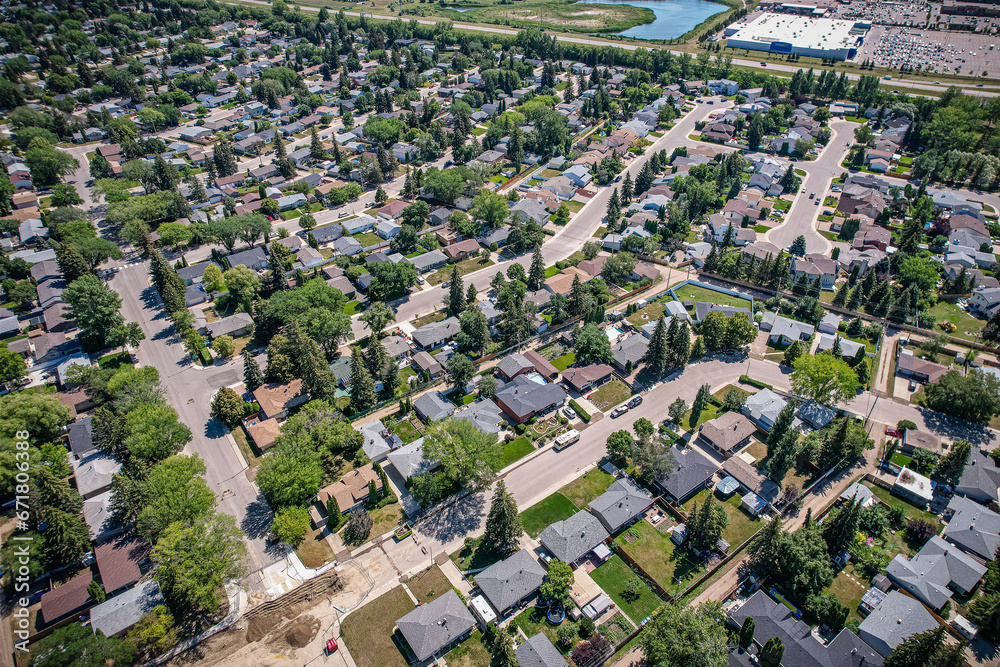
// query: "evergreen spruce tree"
[[627, 189], [316, 150], [765, 549], [658, 353], [71, 263], [840, 531], [711, 261], [363, 394], [951, 466], [471, 296], [375, 357], [536, 273], [456, 293], [925, 648], [253, 377], [772, 653], [680, 345], [503, 524], [782, 456], [840, 298], [746, 632], [782, 425], [502, 652], [792, 352]]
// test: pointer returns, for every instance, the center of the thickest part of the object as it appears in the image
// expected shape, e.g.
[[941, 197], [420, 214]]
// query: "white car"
[[420, 279], [619, 411]]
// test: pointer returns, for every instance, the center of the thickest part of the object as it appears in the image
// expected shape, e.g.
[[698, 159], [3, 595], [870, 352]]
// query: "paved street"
[[802, 217], [189, 390]]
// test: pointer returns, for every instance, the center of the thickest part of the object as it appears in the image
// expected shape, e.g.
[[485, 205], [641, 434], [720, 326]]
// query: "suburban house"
[[409, 460], [119, 613], [434, 335], [583, 379], [515, 364], [763, 408], [621, 505], [572, 539], [728, 433], [509, 581], [692, 471], [785, 330], [436, 625], [538, 651], [425, 363], [814, 266], [351, 490], [914, 487], [981, 479], [911, 366], [432, 407], [897, 617], [522, 398], [815, 414], [462, 249], [629, 352], [802, 648], [67, 599], [378, 442], [275, 399], [935, 571], [239, 324], [912, 439], [974, 528], [118, 562], [484, 414]]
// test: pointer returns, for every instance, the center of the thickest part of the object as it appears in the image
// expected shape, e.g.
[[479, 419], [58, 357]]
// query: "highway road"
[[189, 390], [628, 46], [801, 219]]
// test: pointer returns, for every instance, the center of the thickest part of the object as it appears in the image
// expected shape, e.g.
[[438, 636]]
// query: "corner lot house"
[[276, 399], [433, 627], [236, 325], [935, 571], [973, 528], [523, 398], [351, 490], [621, 504], [574, 538], [728, 433], [763, 408], [508, 582]]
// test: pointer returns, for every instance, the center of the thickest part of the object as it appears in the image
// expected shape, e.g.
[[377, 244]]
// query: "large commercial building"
[[799, 35]]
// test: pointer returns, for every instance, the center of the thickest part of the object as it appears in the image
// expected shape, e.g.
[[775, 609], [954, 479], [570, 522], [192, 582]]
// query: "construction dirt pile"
[[301, 631]]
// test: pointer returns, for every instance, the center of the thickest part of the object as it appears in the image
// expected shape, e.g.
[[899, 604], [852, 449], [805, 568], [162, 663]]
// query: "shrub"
[[746, 379], [633, 588], [291, 524], [920, 531], [590, 651], [568, 634], [586, 627], [905, 424], [580, 411], [359, 526]]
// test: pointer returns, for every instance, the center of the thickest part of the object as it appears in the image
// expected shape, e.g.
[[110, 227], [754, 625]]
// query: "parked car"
[[913, 385], [635, 402], [893, 433], [619, 411]]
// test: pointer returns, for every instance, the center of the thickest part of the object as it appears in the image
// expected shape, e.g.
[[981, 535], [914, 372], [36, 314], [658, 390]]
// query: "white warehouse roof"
[[802, 34]]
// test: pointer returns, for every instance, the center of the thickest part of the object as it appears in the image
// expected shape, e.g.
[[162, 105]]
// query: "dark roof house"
[[436, 625], [511, 580], [621, 504], [572, 539]]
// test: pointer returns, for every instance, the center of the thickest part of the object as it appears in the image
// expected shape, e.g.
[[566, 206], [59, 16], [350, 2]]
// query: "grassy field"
[[650, 313], [464, 267], [368, 631], [516, 449], [406, 431], [564, 362], [696, 293], [556, 15], [584, 489], [429, 584], [849, 587], [470, 653], [612, 577], [314, 550], [610, 394], [968, 326], [539, 516], [740, 527], [710, 412], [656, 555]]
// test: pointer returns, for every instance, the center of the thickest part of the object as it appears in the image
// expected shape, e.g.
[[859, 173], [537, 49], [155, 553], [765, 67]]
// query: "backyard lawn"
[[429, 584], [385, 519], [650, 313], [352, 308], [968, 326], [368, 631], [564, 362], [470, 653], [406, 431], [610, 394], [584, 489], [539, 516], [516, 449], [740, 527], [611, 577], [696, 293], [898, 539], [532, 621], [367, 238], [849, 587], [656, 555]]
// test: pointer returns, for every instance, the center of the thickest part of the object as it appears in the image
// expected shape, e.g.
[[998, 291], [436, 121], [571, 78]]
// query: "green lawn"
[[367, 238], [436, 316], [470, 653], [516, 449], [115, 360], [564, 362], [368, 630], [352, 308], [610, 394], [741, 525], [429, 584], [472, 558], [541, 515], [710, 412], [612, 577], [551, 271], [782, 205], [696, 293], [849, 587], [406, 431], [650, 313], [655, 553], [911, 511], [464, 267], [584, 489], [968, 326], [532, 621], [574, 206]]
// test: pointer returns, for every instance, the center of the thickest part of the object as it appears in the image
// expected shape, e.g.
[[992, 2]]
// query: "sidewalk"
[[238, 603]]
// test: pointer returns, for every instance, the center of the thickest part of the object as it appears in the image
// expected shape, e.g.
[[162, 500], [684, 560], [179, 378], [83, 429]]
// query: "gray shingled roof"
[[123, 611], [973, 527], [937, 565], [513, 364], [507, 582], [897, 617], [622, 502], [432, 406], [523, 396], [431, 627], [432, 333], [981, 478], [571, 539], [691, 469], [538, 651], [484, 415], [409, 459]]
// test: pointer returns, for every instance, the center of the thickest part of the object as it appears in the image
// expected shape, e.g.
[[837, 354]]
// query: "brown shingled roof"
[[66, 599]]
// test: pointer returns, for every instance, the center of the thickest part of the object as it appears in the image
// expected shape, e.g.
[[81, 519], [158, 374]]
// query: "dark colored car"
[[636, 400]]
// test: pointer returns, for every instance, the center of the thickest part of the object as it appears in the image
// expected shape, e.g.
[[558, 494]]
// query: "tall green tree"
[[824, 379], [700, 401], [952, 465], [175, 490], [456, 293], [95, 307], [772, 652], [536, 273], [503, 523], [363, 395], [502, 652], [686, 635], [467, 455], [746, 632], [707, 523], [839, 531], [253, 378], [923, 649], [658, 353]]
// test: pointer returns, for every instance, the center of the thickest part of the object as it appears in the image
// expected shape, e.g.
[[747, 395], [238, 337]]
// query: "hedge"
[[580, 411], [746, 379], [206, 357]]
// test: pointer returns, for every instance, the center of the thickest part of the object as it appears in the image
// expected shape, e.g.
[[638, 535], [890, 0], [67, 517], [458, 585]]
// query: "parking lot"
[[932, 51]]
